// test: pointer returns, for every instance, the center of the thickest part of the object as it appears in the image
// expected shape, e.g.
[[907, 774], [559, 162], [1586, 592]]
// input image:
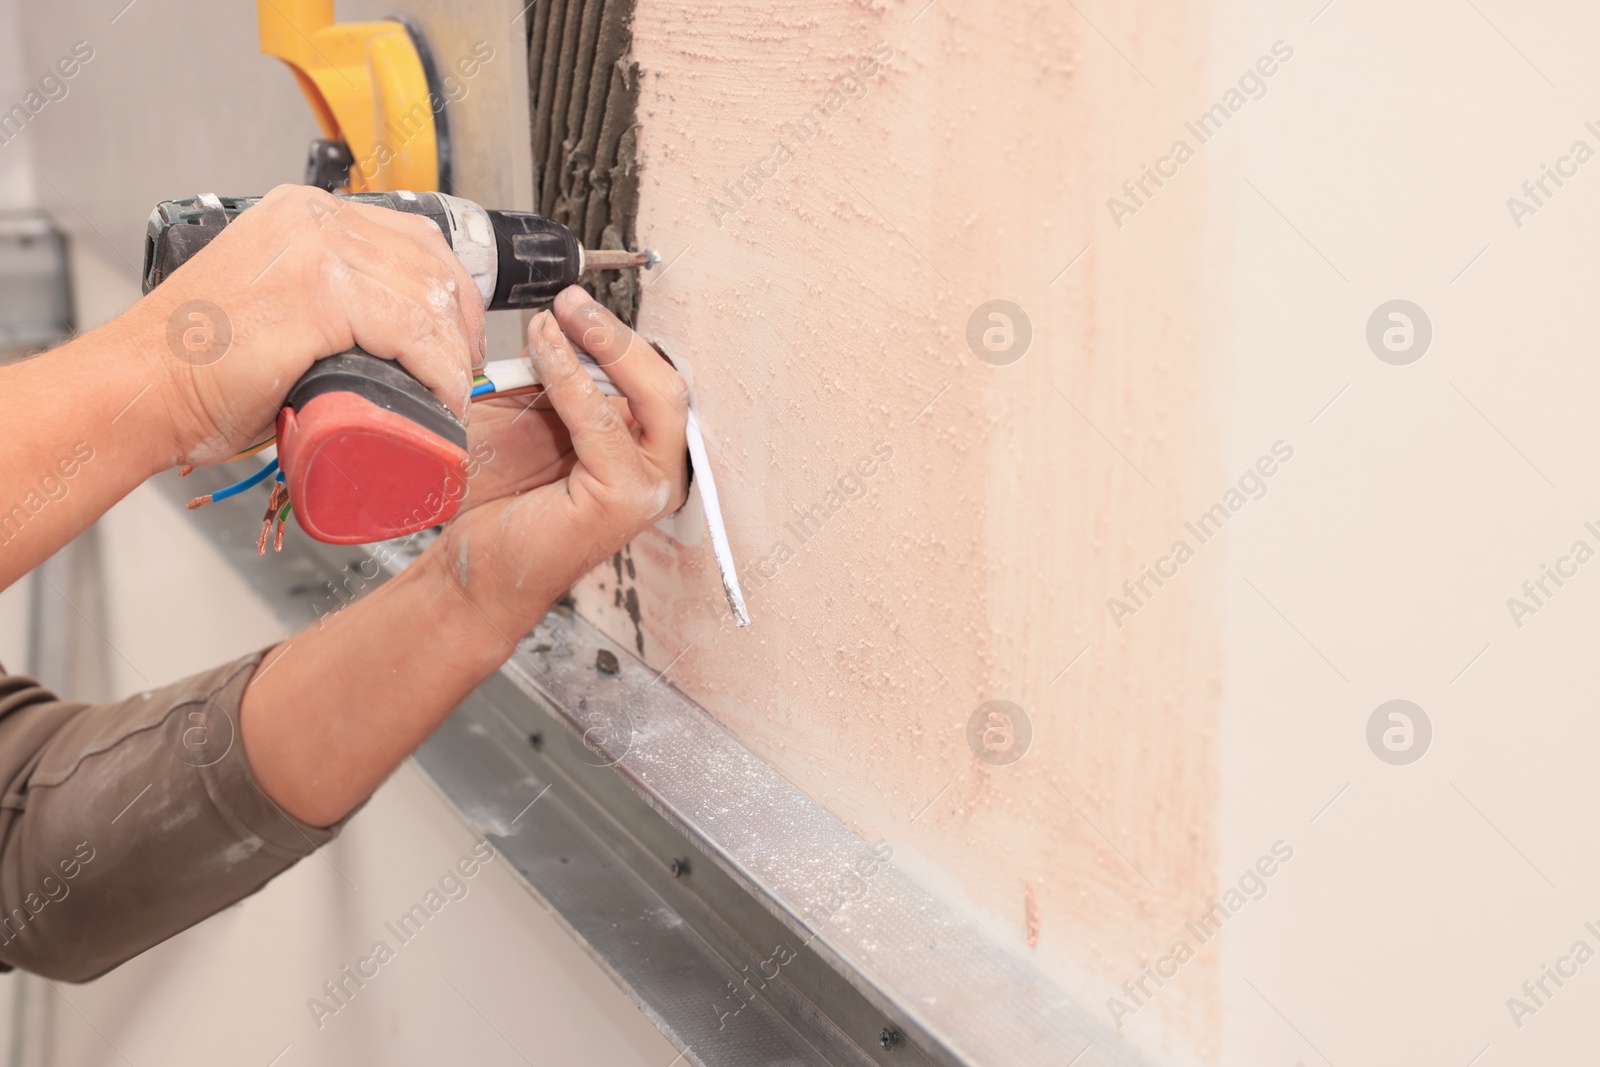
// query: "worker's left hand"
[[566, 488]]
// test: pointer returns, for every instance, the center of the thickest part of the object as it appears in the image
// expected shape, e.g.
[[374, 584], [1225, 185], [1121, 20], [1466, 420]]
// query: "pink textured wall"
[[835, 189]]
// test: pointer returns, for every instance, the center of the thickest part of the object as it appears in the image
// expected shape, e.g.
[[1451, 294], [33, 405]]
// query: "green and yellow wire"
[[253, 449]]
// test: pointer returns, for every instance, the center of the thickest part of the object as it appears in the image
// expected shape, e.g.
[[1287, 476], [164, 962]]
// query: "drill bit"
[[617, 259]]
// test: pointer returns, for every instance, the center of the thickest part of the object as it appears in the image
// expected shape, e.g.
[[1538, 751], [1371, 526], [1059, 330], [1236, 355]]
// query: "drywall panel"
[[928, 518], [1222, 510]]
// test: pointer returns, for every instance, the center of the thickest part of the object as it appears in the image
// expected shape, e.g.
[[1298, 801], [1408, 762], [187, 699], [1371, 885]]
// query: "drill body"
[[367, 452]]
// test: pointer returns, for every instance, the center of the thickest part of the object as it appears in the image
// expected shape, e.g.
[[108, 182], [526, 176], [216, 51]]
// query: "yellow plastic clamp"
[[367, 86]]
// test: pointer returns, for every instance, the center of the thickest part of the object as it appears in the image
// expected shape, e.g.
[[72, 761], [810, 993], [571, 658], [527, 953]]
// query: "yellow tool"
[[375, 92]]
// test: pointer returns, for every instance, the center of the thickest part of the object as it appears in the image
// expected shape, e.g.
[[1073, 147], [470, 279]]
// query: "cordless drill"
[[368, 452]]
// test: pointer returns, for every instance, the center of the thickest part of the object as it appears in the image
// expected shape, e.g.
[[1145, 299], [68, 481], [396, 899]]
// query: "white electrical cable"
[[720, 549], [508, 374], [700, 463]]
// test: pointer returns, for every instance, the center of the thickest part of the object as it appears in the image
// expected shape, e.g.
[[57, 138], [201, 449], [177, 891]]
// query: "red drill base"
[[359, 473]]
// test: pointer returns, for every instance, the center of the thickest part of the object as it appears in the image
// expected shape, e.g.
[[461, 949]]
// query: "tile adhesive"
[[584, 101]]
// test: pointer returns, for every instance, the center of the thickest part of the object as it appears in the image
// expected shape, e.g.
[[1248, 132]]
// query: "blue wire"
[[480, 390], [254, 480]]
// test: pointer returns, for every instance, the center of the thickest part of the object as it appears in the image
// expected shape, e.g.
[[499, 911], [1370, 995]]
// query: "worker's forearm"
[[332, 711], [83, 425]]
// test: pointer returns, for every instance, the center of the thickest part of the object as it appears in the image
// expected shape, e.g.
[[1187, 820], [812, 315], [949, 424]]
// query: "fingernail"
[[566, 300], [550, 329], [536, 340]]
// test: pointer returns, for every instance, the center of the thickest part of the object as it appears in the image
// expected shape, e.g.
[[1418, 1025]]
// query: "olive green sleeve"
[[123, 824]]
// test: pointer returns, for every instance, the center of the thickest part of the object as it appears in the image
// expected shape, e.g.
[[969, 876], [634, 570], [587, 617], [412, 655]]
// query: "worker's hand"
[[555, 500], [297, 277], [518, 443]]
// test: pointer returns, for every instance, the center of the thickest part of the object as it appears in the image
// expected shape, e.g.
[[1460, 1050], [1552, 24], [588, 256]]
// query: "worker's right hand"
[[297, 277]]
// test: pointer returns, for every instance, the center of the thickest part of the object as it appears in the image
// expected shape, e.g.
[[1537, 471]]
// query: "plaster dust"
[[920, 532]]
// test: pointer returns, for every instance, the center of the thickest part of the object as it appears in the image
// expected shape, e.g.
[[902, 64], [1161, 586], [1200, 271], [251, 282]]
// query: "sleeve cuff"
[[229, 779]]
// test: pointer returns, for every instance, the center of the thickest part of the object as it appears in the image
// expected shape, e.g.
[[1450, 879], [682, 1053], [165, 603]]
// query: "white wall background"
[[1421, 896], [16, 173]]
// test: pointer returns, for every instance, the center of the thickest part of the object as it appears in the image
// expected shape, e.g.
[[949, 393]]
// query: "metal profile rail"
[[750, 925]]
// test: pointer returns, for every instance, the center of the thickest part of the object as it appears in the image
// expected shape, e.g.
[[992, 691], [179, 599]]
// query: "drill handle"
[[367, 451]]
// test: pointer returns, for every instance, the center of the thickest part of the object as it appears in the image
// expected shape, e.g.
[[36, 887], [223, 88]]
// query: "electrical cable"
[[283, 515], [237, 487], [253, 449], [185, 470]]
